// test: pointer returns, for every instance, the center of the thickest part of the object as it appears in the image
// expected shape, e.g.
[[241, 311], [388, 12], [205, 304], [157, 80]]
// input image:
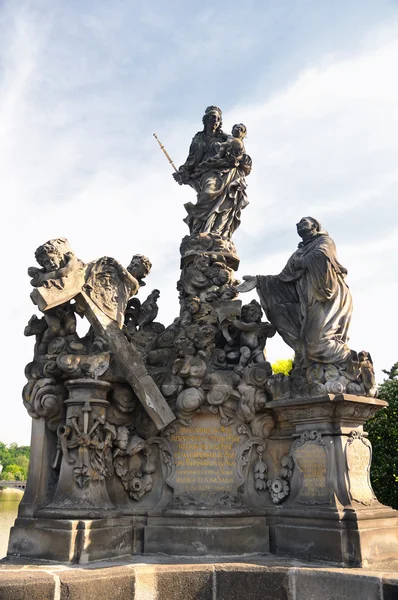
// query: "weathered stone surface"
[[66, 541], [114, 583], [234, 582], [331, 513], [359, 456], [44, 539], [26, 585], [332, 585], [41, 481], [165, 579], [182, 582], [207, 536], [205, 455]]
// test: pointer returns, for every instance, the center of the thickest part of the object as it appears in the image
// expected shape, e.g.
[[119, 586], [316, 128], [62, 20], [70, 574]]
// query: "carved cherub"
[[220, 274], [196, 275], [227, 292], [230, 153], [56, 260], [190, 307], [58, 322], [234, 147], [139, 267], [253, 335]]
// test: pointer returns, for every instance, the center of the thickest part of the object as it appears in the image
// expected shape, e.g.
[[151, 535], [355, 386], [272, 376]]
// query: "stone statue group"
[[309, 302], [189, 419]]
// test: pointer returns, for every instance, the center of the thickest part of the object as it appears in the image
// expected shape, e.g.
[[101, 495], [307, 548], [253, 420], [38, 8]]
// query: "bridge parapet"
[[19, 485]]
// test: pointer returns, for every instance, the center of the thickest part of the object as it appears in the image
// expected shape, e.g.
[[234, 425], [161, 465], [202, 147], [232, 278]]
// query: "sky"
[[84, 85]]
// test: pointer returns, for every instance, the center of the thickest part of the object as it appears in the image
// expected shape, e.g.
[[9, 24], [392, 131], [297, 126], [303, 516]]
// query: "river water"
[[9, 500]]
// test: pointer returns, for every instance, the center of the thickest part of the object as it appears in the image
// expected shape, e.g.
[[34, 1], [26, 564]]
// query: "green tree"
[[16, 471], [15, 461], [393, 372], [284, 365], [383, 434], [23, 463]]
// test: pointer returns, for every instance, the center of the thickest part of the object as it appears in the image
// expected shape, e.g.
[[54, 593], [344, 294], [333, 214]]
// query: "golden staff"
[[165, 152]]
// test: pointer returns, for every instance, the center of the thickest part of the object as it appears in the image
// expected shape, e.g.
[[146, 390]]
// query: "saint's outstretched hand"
[[249, 283]]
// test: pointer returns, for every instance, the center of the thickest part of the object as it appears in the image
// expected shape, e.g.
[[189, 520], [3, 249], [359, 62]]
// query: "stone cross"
[[74, 285]]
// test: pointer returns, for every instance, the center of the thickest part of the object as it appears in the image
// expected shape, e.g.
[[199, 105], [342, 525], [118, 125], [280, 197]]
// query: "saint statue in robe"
[[309, 302]]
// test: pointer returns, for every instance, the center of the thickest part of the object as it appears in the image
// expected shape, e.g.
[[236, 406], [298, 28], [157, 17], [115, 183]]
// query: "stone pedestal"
[[332, 513], [84, 442], [209, 511], [71, 541], [234, 533]]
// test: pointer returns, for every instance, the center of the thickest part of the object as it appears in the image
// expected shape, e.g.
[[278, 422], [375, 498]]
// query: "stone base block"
[[349, 540], [70, 541], [206, 536], [211, 581]]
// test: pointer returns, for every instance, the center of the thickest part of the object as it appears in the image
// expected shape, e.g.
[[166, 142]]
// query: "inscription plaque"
[[358, 455], [312, 461], [205, 457]]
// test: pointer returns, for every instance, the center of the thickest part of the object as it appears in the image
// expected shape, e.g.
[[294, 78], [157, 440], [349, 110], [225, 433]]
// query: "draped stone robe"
[[310, 307], [221, 191]]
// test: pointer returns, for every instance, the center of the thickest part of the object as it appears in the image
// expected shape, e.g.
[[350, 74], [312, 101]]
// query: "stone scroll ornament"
[[310, 306]]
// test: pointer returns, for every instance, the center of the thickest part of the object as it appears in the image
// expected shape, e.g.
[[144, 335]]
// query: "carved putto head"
[[239, 130], [122, 438], [202, 262], [193, 304], [53, 254], [139, 267], [252, 313]]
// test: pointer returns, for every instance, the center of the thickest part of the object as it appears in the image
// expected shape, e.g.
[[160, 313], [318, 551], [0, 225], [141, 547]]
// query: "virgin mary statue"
[[217, 177]]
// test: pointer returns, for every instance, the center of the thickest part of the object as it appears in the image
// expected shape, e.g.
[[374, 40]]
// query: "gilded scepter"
[[165, 152]]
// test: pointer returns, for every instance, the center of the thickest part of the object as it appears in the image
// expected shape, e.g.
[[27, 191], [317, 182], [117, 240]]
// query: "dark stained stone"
[[246, 582]]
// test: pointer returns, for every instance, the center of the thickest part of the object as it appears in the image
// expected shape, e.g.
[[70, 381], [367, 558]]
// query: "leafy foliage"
[[284, 365], [15, 461], [383, 434]]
